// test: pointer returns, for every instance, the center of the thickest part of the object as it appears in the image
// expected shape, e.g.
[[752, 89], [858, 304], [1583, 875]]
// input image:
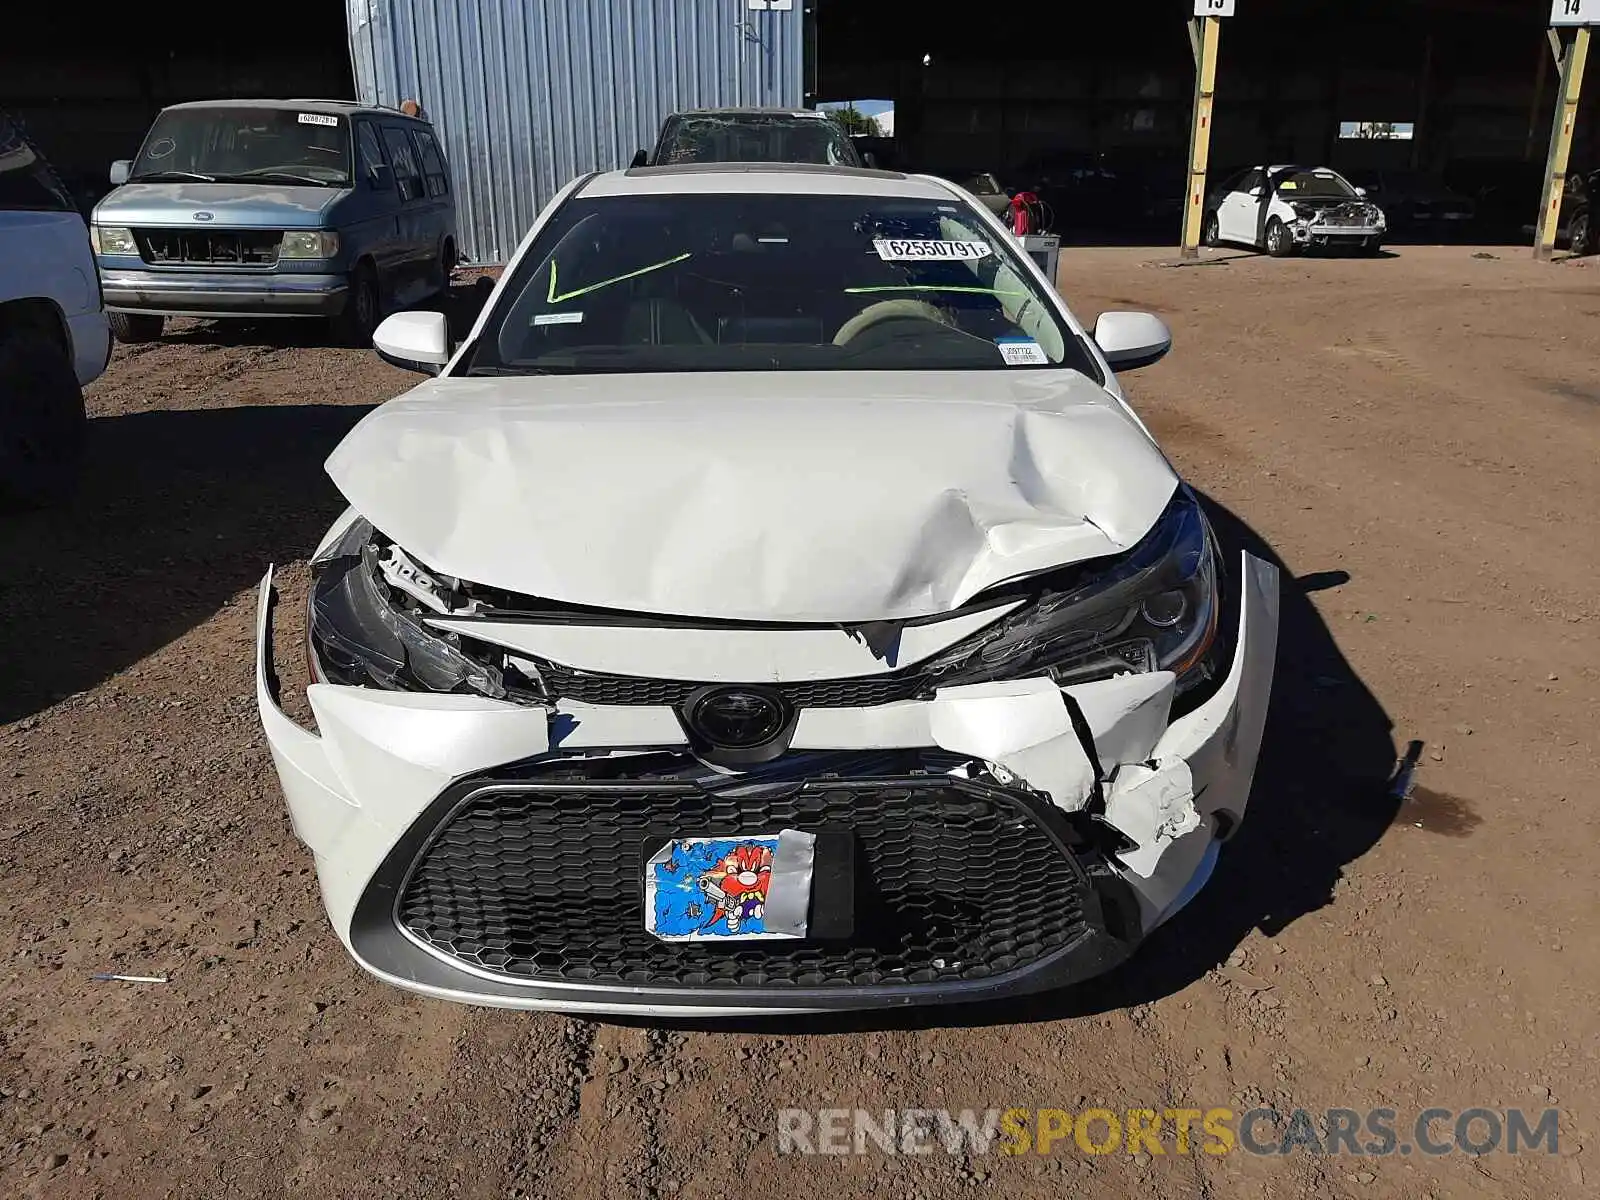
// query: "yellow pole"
[[1205, 88], [1555, 171]]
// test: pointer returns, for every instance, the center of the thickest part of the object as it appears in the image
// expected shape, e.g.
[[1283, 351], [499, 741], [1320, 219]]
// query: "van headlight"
[[1153, 609], [113, 239], [309, 243]]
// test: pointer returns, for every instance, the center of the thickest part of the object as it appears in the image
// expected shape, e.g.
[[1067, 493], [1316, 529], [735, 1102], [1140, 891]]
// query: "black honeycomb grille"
[[591, 688], [953, 881]]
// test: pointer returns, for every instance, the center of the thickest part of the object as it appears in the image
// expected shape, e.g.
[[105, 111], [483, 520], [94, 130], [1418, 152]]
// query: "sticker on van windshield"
[[916, 250], [1023, 352], [317, 119], [562, 318]]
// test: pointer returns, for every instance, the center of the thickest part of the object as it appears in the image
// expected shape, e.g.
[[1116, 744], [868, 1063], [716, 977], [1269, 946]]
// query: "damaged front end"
[[1349, 222], [1002, 798]]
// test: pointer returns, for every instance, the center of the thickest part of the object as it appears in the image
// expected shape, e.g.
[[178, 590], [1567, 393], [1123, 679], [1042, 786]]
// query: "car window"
[[763, 282], [240, 143], [1318, 184], [26, 180], [755, 137], [433, 171], [1252, 180], [406, 175], [369, 150]]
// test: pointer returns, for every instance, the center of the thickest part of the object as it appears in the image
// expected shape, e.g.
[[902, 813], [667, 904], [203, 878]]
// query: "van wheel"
[[1279, 243], [133, 329], [354, 326], [42, 423]]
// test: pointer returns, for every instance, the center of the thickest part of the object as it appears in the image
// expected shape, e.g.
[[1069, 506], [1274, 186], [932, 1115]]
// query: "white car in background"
[[773, 605], [1283, 209], [54, 337]]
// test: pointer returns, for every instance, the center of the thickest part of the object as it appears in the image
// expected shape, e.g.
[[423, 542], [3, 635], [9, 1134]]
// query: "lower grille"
[[223, 247], [590, 688], [544, 882]]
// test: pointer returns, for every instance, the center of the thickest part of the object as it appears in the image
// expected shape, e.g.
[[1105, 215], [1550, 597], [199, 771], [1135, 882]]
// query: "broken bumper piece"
[[998, 839]]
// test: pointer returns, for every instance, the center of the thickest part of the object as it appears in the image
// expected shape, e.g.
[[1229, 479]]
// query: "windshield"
[[1315, 185], [272, 145], [771, 282], [754, 137]]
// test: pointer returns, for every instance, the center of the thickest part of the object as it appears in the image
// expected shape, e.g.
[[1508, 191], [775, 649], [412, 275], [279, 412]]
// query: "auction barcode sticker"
[[908, 250], [317, 119]]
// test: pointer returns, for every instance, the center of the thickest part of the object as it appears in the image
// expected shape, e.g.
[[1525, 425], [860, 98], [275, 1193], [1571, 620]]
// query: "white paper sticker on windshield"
[[317, 119], [1021, 352], [916, 250], [561, 318]]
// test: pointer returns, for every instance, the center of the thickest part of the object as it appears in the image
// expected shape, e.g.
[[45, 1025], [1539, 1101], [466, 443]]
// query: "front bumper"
[[387, 772], [194, 293]]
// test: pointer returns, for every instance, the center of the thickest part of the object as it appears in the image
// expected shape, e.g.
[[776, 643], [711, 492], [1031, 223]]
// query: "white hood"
[[808, 496]]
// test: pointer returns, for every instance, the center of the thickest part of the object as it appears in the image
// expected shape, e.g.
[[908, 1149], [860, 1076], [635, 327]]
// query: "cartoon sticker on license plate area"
[[703, 888]]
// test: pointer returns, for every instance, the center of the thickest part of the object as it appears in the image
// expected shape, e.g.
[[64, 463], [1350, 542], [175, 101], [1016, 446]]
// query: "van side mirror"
[[380, 176], [120, 170], [869, 159], [641, 158]]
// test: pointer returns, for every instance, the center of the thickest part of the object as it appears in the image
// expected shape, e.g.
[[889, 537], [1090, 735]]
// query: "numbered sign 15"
[[1224, 8], [1575, 12]]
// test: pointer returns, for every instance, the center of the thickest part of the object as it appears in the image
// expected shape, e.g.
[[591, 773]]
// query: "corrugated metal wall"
[[527, 94]]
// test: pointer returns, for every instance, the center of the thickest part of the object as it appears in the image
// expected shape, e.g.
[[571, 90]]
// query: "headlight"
[[358, 635], [1153, 609], [113, 239], [308, 243]]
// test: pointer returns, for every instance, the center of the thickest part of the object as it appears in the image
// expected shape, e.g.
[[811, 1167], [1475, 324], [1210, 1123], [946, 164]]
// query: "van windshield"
[[238, 144]]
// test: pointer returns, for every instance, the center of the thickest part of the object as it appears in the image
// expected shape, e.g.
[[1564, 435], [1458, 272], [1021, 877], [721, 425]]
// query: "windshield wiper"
[[266, 173], [146, 176], [510, 371]]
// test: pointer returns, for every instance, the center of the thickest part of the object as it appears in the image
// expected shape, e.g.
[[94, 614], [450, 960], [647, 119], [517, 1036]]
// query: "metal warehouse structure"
[[527, 94]]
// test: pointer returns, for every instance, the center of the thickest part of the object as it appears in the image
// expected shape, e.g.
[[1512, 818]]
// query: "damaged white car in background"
[[1284, 209], [772, 606]]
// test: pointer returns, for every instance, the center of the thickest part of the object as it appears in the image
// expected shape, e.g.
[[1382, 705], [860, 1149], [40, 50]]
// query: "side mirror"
[[869, 159], [1362, 192], [1258, 191], [380, 176], [1131, 340], [120, 170], [641, 158], [414, 341]]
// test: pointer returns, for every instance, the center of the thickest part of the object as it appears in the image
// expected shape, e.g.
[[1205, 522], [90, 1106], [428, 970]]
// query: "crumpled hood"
[[807, 496], [232, 205]]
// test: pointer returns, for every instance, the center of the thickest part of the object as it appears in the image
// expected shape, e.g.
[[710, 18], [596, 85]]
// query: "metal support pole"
[[1203, 35], [1555, 170]]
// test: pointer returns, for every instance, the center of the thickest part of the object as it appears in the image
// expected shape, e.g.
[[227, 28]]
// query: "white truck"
[[54, 337]]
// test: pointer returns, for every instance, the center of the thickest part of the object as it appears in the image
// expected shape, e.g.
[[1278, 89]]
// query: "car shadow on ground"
[[177, 512], [1321, 800]]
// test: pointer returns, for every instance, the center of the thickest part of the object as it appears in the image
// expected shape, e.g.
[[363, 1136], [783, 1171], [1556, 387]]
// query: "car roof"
[[341, 107], [803, 179], [805, 114]]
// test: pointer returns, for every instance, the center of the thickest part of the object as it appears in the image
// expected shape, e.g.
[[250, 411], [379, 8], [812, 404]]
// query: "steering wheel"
[[884, 311]]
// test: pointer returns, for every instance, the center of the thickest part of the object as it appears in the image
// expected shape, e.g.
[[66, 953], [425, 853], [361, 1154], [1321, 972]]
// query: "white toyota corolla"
[[771, 606]]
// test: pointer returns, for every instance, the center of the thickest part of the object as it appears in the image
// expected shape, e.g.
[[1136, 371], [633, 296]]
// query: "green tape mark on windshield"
[[552, 298], [933, 287]]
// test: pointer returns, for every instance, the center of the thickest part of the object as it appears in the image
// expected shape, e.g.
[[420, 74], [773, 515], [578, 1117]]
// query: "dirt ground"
[[1416, 438]]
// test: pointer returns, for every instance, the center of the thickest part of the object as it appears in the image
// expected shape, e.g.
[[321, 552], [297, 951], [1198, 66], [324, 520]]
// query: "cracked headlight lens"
[[1153, 609], [357, 635]]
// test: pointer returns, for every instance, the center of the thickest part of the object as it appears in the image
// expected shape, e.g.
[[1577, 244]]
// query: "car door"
[[375, 230], [1238, 212], [438, 206], [414, 249]]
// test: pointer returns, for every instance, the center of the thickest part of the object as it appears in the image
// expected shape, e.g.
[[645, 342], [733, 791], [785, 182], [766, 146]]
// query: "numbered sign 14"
[[1224, 8], [1575, 12]]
